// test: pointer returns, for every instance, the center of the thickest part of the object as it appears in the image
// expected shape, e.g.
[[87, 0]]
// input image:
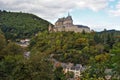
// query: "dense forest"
[[18, 25], [14, 66], [99, 51]]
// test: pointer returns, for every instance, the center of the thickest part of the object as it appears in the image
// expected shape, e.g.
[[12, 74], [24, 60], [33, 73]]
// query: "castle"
[[66, 24]]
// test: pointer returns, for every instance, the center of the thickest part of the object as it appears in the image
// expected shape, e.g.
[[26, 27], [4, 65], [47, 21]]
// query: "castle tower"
[[68, 22], [50, 28], [59, 22]]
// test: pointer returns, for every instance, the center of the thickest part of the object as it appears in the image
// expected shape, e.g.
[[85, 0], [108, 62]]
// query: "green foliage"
[[14, 66], [92, 50], [95, 71], [58, 74], [18, 68], [9, 48], [21, 25], [115, 53], [2, 42], [1, 32], [69, 75], [12, 49], [108, 38], [72, 47], [63, 45], [7, 67]]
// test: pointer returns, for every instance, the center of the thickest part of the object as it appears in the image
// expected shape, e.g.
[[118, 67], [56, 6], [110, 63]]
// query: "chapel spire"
[[68, 14]]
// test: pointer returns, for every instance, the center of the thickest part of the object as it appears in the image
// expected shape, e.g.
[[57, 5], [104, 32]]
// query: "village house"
[[24, 42], [70, 67]]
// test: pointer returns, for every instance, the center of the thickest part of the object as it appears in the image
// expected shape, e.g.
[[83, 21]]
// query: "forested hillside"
[[17, 25], [95, 51], [14, 66], [8, 47], [99, 51]]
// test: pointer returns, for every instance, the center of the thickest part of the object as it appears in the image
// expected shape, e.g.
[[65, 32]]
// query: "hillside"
[[116, 32], [17, 25]]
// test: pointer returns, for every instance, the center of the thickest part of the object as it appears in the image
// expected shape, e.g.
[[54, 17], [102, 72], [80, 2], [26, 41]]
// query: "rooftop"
[[82, 26]]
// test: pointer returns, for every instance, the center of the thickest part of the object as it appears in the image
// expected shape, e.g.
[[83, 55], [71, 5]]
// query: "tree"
[[13, 49], [83, 31], [2, 42], [2, 45], [115, 53], [58, 73], [81, 43], [7, 66], [16, 67], [69, 75]]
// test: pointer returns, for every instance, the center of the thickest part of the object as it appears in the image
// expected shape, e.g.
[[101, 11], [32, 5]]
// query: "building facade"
[[66, 24]]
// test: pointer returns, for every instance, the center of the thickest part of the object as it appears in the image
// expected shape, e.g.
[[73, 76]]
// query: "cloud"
[[116, 11], [50, 9], [111, 0], [94, 5]]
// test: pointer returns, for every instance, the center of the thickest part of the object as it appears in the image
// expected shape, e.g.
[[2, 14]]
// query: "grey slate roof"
[[68, 18], [82, 26]]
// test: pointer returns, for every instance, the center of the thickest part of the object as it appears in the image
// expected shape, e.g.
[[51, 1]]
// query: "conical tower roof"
[[68, 17]]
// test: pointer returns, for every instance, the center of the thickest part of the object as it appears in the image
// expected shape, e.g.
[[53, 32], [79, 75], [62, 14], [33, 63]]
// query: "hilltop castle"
[[66, 24]]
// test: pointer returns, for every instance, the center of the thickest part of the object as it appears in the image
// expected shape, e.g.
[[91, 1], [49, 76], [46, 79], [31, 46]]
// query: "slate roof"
[[82, 26], [68, 18]]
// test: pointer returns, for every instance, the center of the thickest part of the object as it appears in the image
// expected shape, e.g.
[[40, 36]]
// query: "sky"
[[97, 14]]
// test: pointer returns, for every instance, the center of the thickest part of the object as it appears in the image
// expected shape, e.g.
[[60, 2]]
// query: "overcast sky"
[[97, 14]]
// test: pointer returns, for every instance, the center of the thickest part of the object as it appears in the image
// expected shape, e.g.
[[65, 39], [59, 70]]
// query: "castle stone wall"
[[66, 24]]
